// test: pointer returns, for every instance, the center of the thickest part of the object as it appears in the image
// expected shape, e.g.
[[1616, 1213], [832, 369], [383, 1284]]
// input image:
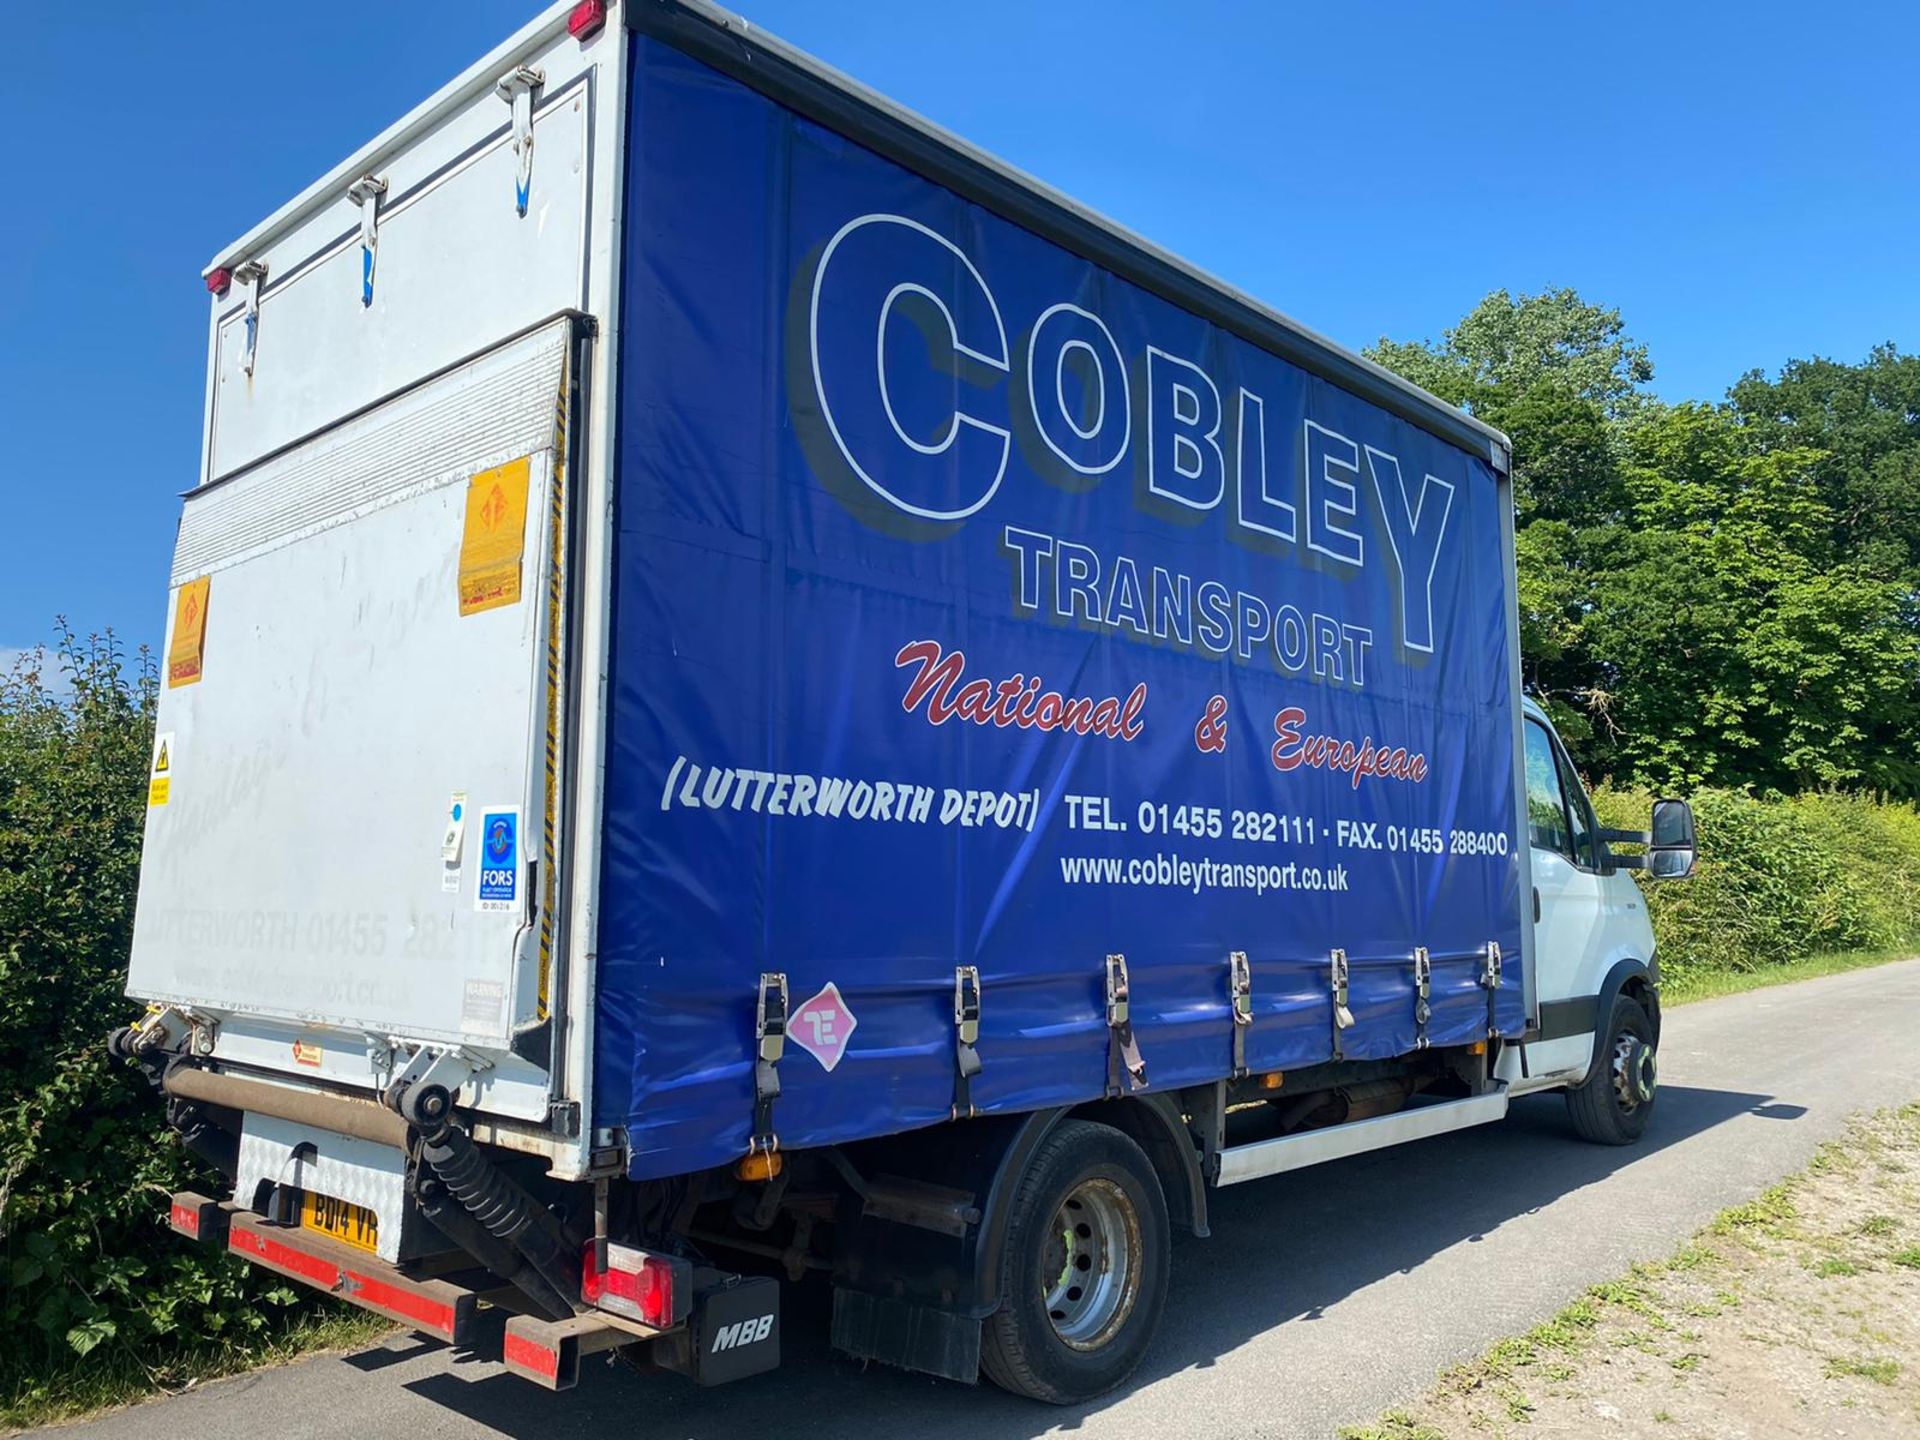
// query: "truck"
[[753, 695]]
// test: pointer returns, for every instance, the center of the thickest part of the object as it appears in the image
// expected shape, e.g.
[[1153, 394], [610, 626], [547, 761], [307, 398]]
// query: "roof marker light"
[[219, 281], [587, 19]]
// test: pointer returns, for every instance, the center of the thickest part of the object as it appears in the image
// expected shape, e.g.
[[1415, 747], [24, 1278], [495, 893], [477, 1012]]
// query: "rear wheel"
[[1085, 1273], [1613, 1104]]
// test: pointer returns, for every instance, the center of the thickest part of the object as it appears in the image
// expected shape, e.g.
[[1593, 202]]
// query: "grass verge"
[[86, 1386], [1795, 1313], [1689, 985]]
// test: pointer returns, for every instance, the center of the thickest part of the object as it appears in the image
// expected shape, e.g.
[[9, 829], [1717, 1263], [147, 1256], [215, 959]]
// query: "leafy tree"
[[1510, 343], [1556, 374], [1866, 420], [1708, 594]]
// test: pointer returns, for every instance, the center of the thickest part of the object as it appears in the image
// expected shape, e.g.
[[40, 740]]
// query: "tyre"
[[1084, 1277], [1613, 1104]]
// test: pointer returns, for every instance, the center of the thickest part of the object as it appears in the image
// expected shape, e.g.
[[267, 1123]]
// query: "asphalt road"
[[1323, 1297]]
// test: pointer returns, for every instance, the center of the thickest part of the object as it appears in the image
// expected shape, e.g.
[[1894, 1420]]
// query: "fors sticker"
[[499, 858]]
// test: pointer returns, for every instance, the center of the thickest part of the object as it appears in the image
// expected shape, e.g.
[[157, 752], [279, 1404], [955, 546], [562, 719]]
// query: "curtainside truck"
[[751, 691]]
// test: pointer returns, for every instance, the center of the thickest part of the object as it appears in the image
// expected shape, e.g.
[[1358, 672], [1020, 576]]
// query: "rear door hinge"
[[516, 87], [366, 192], [252, 275]]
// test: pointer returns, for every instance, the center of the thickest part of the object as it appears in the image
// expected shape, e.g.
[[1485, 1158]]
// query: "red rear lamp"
[[653, 1289], [219, 281], [587, 19]]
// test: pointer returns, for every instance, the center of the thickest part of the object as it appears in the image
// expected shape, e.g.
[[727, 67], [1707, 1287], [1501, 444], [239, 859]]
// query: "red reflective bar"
[[244, 1240], [198, 1218], [535, 1361], [433, 1307], [436, 1317], [548, 1352]]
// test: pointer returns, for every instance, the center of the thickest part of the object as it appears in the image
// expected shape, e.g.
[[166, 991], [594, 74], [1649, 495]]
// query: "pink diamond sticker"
[[822, 1026]]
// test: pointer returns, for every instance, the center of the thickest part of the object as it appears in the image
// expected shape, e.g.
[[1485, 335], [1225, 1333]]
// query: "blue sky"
[[1739, 179]]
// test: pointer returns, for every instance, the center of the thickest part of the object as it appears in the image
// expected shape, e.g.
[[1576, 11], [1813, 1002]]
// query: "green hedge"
[[86, 1164], [1782, 878]]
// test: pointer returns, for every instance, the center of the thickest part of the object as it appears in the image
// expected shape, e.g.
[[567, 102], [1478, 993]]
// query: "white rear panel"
[[458, 267], [295, 890], [296, 868]]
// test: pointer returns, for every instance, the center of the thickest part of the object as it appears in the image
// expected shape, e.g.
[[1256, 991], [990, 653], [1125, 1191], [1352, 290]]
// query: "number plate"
[[353, 1224]]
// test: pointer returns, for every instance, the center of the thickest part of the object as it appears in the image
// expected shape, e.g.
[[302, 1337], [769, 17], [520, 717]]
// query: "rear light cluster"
[[653, 1289]]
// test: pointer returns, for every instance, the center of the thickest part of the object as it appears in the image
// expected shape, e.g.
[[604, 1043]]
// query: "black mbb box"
[[733, 1330]]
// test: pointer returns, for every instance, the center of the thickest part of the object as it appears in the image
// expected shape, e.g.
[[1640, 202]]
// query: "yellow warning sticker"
[[494, 540], [306, 1052], [189, 633], [160, 776]]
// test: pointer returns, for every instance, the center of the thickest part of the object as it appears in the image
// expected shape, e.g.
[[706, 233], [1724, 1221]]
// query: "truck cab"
[[1597, 973]]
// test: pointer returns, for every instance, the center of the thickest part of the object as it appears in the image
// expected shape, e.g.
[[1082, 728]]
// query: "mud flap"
[[912, 1337]]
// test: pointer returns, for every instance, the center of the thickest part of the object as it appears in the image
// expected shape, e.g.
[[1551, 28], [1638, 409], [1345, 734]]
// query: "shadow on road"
[[1282, 1251]]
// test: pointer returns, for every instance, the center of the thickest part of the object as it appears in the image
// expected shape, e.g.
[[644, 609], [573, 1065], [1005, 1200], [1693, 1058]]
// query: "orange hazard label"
[[494, 540], [189, 632]]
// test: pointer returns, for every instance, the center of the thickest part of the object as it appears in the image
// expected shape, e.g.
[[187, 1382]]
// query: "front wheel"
[[1085, 1273], [1613, 1104]]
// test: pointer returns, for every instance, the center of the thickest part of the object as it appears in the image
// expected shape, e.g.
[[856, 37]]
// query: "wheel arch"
[[1637, 980], [1156, 1125], [1153, 1122]]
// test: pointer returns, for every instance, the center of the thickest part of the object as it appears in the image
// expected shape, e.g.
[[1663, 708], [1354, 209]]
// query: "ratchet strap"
[[1123, 1050], [770, 1042], [1240, 985], [1422, 995], [1490, 978], [1342, 1016], [966, 1038]]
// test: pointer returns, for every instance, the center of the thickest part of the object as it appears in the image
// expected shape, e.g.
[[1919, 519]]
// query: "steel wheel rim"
[[1634, 1073], [1090, 1268]]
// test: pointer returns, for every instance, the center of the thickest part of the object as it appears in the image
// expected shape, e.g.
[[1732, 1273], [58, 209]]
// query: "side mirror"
[[1673, 851]]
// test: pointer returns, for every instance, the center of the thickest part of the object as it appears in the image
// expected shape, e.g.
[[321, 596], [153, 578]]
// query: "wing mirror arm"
[[1672, 850]]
